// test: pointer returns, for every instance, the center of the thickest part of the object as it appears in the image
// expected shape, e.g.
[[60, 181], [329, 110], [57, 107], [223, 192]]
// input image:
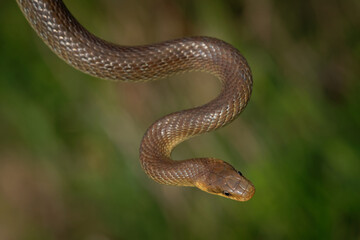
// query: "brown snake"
[[73, 43]]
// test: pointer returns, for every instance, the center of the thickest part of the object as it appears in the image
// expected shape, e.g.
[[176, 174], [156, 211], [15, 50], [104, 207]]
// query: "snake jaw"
[[223, 180]]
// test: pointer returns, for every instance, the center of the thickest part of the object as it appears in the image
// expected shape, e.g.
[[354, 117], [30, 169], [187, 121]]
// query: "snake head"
[[224, 180]]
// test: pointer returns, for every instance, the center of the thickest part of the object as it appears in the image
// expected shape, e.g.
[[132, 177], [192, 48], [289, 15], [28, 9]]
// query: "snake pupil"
[[239, 173], [226, 193]]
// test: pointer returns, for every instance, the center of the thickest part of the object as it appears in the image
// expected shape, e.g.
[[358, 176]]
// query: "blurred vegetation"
[[69, 143]]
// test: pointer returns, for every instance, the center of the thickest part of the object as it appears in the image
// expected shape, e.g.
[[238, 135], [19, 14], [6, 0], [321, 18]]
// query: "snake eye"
[[226, 193], [239, 173]]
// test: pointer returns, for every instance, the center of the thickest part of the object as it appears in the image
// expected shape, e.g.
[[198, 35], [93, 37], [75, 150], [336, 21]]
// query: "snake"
[[69, 40]]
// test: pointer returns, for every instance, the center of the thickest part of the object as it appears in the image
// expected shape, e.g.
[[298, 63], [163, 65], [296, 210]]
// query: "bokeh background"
[[69, 142]]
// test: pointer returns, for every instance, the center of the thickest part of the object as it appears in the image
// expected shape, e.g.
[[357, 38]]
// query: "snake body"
[[73, 43]]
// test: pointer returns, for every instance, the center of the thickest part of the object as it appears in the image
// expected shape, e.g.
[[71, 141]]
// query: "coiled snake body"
[[88, 53]]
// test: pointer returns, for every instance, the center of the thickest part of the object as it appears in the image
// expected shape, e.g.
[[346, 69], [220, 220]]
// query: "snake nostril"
[[239, 173]]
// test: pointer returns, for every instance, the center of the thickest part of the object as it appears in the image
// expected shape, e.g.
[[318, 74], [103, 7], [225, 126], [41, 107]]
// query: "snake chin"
[[224, 180]]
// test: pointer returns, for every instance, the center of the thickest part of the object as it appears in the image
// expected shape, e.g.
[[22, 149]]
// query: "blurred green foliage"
[[69, 143]]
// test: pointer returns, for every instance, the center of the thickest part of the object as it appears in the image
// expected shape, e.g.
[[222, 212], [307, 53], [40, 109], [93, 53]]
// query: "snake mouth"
[[243, 197]]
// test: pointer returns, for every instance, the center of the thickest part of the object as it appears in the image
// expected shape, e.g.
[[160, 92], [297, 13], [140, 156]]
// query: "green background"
[[69, 142]]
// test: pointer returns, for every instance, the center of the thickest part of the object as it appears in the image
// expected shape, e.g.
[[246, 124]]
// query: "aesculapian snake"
[[73, 43]]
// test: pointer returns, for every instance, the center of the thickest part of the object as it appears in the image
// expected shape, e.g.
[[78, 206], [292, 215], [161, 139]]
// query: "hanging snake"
[[78, 47]]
